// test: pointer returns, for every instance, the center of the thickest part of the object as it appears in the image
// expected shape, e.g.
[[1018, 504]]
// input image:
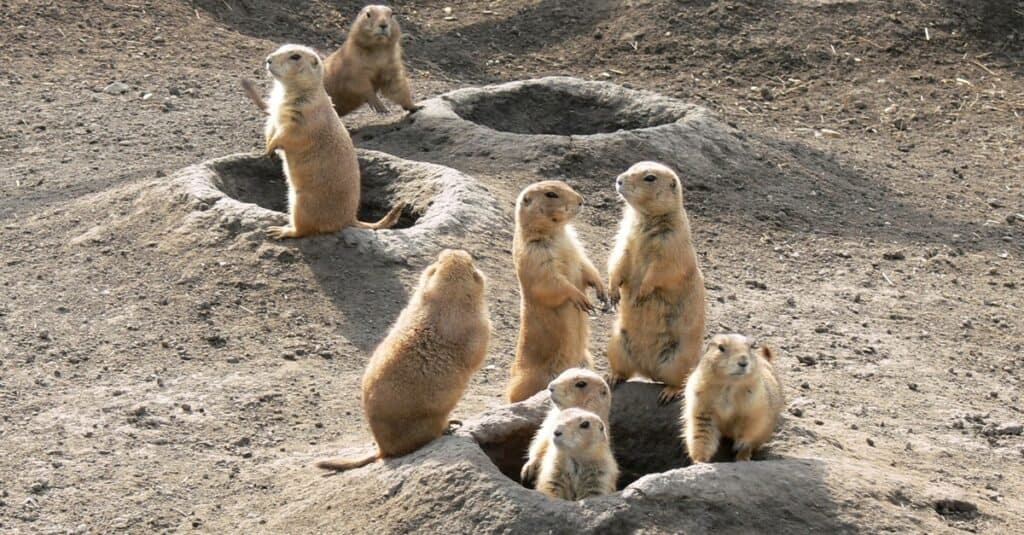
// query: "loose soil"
[[154, 380]]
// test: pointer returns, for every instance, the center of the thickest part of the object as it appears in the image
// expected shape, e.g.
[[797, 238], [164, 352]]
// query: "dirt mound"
[[461, 483], [243, 194]]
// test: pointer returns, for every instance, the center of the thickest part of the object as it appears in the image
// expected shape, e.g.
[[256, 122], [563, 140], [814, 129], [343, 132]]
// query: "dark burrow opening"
[[261, 181], [561, 109], [645, 436]]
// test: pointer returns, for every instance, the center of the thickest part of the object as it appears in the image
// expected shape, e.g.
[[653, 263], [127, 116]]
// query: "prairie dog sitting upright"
[[420, 370], [554, 274], [653, 275]]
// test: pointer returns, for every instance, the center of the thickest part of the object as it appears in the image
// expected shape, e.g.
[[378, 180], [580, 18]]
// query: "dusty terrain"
[[156, 381]]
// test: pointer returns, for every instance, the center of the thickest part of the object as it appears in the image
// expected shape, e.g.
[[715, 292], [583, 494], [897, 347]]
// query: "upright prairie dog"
[[653, 272], [578, 463], [733, 393], [419, 372], [578, 388], [370, 60], [319, 158], [554, 274]]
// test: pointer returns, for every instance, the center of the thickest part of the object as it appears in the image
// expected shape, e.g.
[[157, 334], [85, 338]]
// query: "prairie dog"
[[553, 273], [653, 274], [319, 158], [578, 462], [420, 370], [733, 393], [574, 388], [369, 61]]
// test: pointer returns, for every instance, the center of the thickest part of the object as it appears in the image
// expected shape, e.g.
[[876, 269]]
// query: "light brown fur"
[[553, 273], [319, 158], [369, 61], [724, 398], [578, 462], [653, 274], [420, 370], [574, 388]]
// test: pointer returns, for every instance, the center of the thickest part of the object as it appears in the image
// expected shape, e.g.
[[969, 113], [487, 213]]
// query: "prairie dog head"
[[453, 275], [650, 188], [731, 357], [582, 388], [296, 66], [375, 25], [547, 205], [579, 431]]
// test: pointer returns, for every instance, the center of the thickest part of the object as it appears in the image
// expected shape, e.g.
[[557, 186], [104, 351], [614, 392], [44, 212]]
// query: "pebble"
[[894, 255], [1010, 429], [116, 88]]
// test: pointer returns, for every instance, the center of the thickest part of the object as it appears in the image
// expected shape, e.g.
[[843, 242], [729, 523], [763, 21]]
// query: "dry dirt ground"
[[152, 382]]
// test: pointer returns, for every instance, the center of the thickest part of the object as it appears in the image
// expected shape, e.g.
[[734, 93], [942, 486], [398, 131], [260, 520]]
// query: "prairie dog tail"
[[249, 87], [387, 221], [340, 465]]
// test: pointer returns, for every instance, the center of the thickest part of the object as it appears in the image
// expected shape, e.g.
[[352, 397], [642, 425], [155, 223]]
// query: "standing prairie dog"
[[319, 158], [653, 272], [733, 393], [578, 462], [554, 274], [419, 372], [578, 388], [370, 60]]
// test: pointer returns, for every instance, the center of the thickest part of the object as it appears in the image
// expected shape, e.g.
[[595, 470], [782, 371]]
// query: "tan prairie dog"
[[553, 273], [733, 393], [319, 158], [578, 462], [419, 372], [369, 61], [578, 388], [653, 275]]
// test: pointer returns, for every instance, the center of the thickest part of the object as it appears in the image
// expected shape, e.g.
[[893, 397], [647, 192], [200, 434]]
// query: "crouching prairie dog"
[[654, 277], [578, 462], [578, 388], [419, 372], [554, 274], [369, 61], [319, 158], [733, 393]]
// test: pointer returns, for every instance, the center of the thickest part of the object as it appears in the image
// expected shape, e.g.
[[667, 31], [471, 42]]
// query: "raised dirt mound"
[[243, 194], [462, 483]]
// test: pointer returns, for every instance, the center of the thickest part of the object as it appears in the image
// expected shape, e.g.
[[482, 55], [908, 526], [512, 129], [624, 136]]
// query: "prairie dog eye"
[[295, 57], [581, 384], [721, 347], [585, 424], [551, 195], [650, 178], [368, 14]]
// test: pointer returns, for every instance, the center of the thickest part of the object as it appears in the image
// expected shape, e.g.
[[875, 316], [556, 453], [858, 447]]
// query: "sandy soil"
[[152, 381]]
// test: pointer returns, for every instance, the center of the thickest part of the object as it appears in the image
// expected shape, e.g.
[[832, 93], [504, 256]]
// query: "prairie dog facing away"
[[654, 277], [578, 462], [553, 273], [574, 388], [733, 393], [420, 370]]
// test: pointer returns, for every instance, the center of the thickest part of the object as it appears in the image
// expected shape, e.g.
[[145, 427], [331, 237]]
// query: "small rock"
[[950, 507], [756, 285], [806, 360], [1009, 429], [871, 443], [894, 255], [796, 411], [116, 88], [913, 386], [447, 10]]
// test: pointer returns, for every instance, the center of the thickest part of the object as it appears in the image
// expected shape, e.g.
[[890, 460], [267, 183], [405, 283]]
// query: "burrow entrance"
[[556, 107], [261, 181], [646, 437]]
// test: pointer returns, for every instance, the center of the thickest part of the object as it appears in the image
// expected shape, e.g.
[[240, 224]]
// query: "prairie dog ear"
[[767, 353]]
